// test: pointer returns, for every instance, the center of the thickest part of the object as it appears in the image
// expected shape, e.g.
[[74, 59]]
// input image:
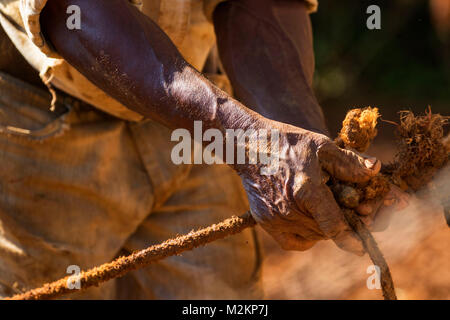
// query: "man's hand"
[[294, 205], [376, 214], [266, 49]]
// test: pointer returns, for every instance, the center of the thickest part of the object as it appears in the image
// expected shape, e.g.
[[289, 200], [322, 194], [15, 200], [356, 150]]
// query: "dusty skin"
[[429, 126]]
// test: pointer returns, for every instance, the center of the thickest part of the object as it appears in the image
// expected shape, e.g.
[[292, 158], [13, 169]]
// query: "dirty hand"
[[293, 204], [376, 214]]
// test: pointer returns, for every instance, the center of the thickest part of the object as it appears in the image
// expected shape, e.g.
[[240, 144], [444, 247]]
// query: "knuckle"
[[310, 204], [322, 140], [325, 147], [308, 197], [282, 241], [285, 246]]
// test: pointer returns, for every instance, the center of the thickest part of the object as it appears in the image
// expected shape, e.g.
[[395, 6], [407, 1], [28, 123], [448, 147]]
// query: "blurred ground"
[[405, 65], [415, 246]]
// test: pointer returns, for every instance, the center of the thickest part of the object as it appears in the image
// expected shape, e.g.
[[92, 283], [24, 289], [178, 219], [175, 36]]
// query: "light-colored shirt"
[[186, 22]]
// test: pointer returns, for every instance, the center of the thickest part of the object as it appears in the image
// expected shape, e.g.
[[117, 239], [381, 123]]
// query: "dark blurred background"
[[405, 65]]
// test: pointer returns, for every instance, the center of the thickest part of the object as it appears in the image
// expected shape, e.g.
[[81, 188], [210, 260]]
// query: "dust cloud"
[[415, 245]]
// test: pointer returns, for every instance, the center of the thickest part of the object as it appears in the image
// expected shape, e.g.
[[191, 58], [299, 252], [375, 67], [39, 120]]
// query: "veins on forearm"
[[129, 57], [264, 64]]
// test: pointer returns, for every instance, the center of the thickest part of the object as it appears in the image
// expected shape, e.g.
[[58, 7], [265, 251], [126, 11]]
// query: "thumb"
[[347, 165]]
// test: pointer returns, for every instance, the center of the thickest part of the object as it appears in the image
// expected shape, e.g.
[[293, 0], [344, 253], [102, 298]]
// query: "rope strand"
[[190, 241], [140, 259]]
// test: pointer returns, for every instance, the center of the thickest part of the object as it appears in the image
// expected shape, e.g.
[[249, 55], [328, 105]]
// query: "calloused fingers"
[[376, 214], [320, 203], [347, 165]]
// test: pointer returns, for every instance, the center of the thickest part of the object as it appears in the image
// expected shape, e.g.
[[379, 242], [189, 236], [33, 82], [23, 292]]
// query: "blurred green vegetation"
[[405, 61]]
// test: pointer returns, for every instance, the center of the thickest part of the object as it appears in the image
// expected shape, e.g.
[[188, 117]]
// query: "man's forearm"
[[266, 49], [125, 54]]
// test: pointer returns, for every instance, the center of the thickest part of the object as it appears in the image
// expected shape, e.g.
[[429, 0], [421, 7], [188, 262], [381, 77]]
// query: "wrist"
[[233, 115], [251, 141]]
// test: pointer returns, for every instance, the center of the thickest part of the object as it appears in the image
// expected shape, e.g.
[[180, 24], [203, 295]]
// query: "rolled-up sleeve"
[[52, 68], [30, 10], [210, 5]]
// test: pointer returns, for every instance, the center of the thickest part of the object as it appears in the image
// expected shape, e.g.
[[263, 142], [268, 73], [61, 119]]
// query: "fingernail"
[[364, 209], [370, 162], [389, 202]]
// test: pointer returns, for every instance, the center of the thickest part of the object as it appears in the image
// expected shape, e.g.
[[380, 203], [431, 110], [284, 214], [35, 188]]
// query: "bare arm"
[[126, 54], [267, 51]]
